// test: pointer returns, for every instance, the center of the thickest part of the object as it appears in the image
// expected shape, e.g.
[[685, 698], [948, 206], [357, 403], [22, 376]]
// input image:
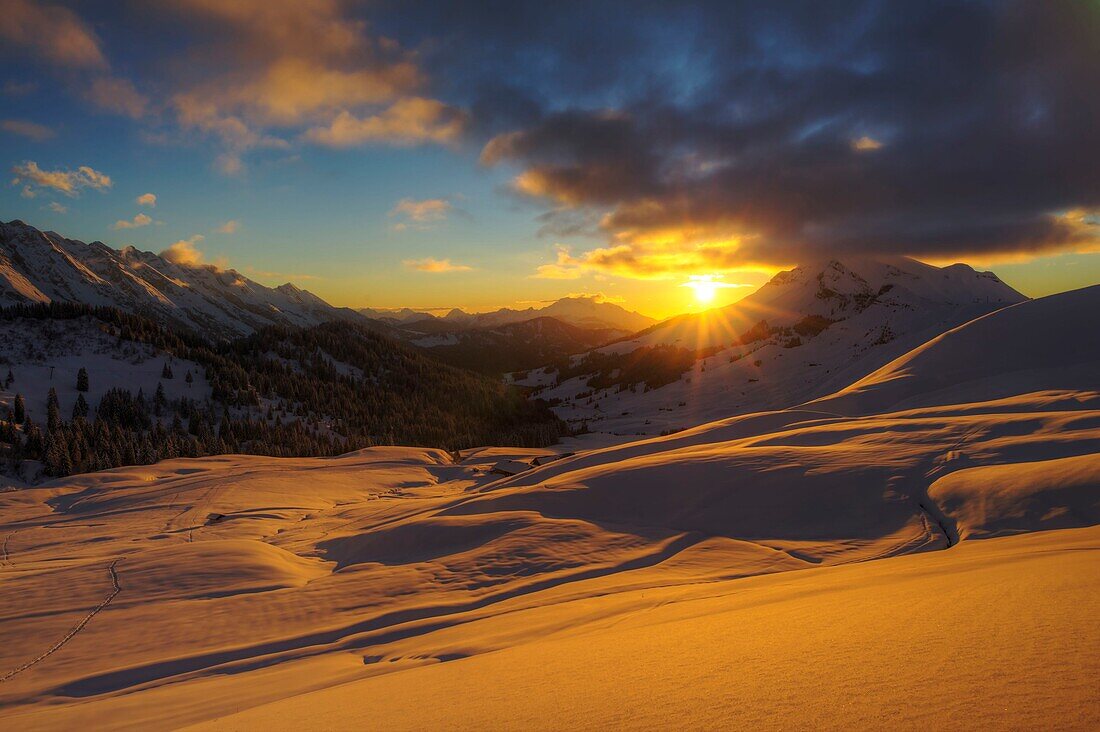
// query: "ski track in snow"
[[115, 589]]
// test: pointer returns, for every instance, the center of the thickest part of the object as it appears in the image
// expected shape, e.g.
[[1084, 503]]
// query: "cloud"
[[236, 136], [426, 211], [69, 182], [408, 121], [118, 96], [565, 268], [229, 227], [184, 252], [299, 69], [229, 164], [24, 128], [431, 264], [713, 281], [290, 91], [51, 32], [557, 272], [146, 199], [865, 144], [137, 222], [970, 139], [57, 207]]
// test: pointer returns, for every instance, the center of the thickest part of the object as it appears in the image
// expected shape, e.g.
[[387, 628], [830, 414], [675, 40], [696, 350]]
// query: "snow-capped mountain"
[[395, 315], [806, 333], [510, 347], [37, 266], [581, 311]]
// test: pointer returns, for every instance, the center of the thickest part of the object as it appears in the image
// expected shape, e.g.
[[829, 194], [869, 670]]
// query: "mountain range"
[[222, 304], [582, 311], [807, 332], [43, 266]]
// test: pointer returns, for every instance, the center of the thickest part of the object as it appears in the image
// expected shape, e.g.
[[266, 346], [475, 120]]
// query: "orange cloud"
[[68, 182], [134, 223], [655, 256], [302, 64], [557, 272], [118, 96], [408, 121], [294, 90], [229, 227], [53, 32], [431, 264], [30, 130], [565, 268], [146, 199], [427, 211], [184, 252], [866, 144]]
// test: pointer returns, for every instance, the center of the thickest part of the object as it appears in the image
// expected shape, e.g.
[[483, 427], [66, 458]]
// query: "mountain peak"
[[45, 267], [830, 286]]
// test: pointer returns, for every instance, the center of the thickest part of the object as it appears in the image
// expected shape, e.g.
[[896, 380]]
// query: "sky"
[[481, 155]]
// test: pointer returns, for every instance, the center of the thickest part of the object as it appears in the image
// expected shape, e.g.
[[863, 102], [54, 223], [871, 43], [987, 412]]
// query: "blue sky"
[[435, 155]]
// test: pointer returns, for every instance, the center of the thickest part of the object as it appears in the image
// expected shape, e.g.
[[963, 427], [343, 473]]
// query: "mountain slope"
[[146, 393], [509, 347], [806, 333], [37, 266], [509, 340]]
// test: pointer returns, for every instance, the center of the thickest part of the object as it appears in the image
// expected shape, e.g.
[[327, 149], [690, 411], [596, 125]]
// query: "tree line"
[[291, 392]]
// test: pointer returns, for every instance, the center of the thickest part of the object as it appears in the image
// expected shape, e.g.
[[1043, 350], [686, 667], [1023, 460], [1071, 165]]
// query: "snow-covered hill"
[[37, 266], [802, 568], [806, 333], [983, 359]]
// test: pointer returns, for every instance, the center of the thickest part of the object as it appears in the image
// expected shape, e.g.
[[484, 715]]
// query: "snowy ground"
[[893, 556]]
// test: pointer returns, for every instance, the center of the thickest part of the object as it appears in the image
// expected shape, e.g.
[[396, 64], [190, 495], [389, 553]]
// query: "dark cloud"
[[717, 134], [678, 134]]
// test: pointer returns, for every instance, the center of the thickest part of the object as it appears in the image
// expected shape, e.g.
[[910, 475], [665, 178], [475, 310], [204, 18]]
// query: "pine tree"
[[82, 379], [188, 378], [8, 433], [166, 372], [159, 399], [80, 409], [57, 461], [20, 408], [53, 411], [33, 439], [10, 380]]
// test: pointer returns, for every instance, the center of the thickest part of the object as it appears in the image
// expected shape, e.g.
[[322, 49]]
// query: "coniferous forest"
[[288, 392]]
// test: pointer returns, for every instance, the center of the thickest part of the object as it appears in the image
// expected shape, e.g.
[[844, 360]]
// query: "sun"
[[705, 288]]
